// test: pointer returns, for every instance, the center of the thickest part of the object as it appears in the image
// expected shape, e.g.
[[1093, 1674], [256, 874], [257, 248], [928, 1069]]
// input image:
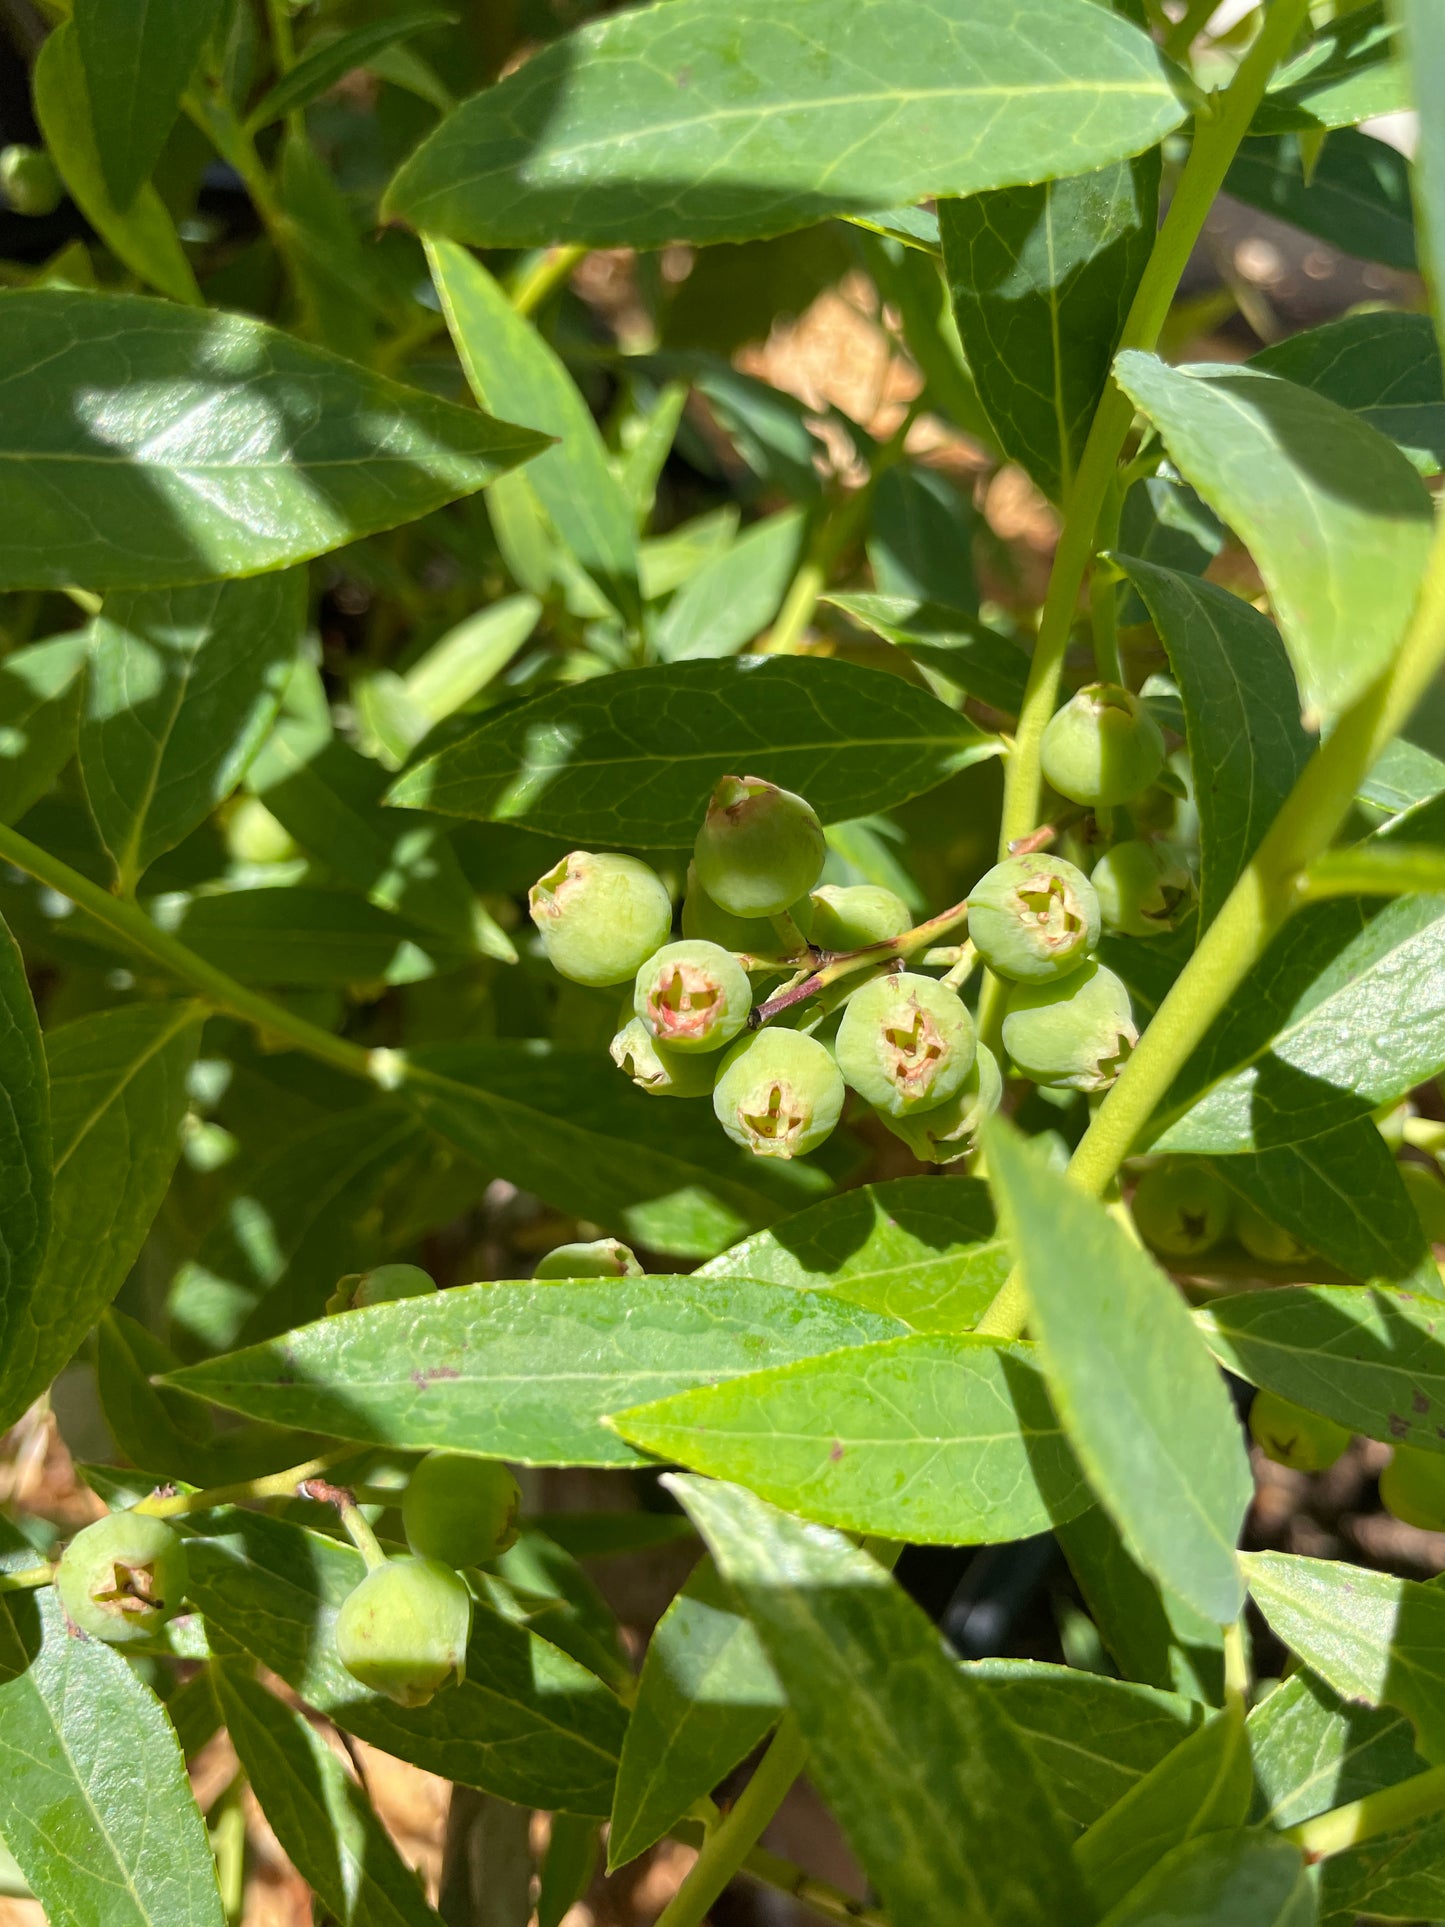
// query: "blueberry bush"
[[576, 923]]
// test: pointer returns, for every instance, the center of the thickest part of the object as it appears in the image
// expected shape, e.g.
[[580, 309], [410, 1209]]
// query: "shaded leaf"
[[1313, 1750], [1150, 1633], [1350, 72], [920, 540], [306, 936], [1396, 1876], [40, 689], [735, 595], [1424, 48], [1356, 195], [137, 63], [976, 657], [1239, 1879], [323, 64], [1385, 366], [25, 1146]]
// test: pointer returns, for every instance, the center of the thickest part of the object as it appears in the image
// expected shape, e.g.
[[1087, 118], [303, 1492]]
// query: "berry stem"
[[844, 963], [27, 1579], [726, 1848], [274, 1485], [358, 1531]]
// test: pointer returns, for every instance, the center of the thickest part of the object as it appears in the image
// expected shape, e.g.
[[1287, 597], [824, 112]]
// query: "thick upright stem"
[[727, 1847]]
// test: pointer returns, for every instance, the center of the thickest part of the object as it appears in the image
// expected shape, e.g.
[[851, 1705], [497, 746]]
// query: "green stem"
[[824, 1899], [1388, 1810], [1215, 141], [835, 968], [727, 1847], [275, 1485], [27, 1579], [359, 1532]]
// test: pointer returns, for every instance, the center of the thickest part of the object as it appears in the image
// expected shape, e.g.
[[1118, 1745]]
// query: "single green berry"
[[602, 1258], [460, 1510], [906, 1042], [1412, 1487], [1427, 1194], [1143, 888], [254, 835], [1032, 918], [708, 922], [1102, 747], [403, 1631], [29, 180], [693, 996], [779, 1093], [851, 916], [600, 917], [1182, 1209], [1264, 1239], [656, 1069], [759, 849], [1074, 1034], [950, 1131], [1290, 1435], [122, 1578], [382, 1285]]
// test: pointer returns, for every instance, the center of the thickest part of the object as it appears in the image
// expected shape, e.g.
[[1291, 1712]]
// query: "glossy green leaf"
[[322, 65], [25, 1147], [137, 62], [1350, 72], [521, 1371], [1355, 196], [317, 1811], [509, 367], [117, 1096], [40, 689], [631, 759], [920, 537], [688, 125], [1370, 1359], [558, 1600], [141, 235], [1201, 1786], [1140, 1400], [933, 1785], [1395, 1876], [931, 1440], [1313, 1750], [974, 656], [146, 446], [1237, 1879], [528, 1723], [1041, 280], [923, 1250], [1150, 1633], [181, 688], [1384, 365], [706, 1698], [1369, 1635], [1297, 1049], [1241, 709], [461, 663], [734, 596], [305, 935], [94, 1801], [1335, 517]]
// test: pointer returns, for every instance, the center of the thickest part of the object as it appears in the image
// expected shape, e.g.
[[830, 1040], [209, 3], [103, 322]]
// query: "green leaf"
[[509, 365], [735, 595], [182, 686], [341, 292], [933, 1785], [323, 64], [1370, 1636], [567, 1867], [1041, 280], [1202, 1786], [146, 446], [317, 1811], [1370, 1359], [523, 1371], [691, 125], [920, 541], [1355, 196], [632, 758], [25, 1153], [39, 709], [142, 235], [706, 1698], [1150, 1633], [1424, 47], [1296, 1051], [1377, 869], [304, 935], [117, 1096], [1164, 522], [1395, 1876], [936, 1441], [1350, 72], [1140, 1400], [1242, 715], [1239, 1879], [1313, 1750], [1336, 519], [137, 63], [528, 1723], [1384, 366], [94, 1801], [975, 657], [460, 664]]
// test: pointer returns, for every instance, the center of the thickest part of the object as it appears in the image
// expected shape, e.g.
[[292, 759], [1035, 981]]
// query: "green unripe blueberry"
[[1427, 1194], [1290, 1435], [1102, 747], [460, 1510], [600, 917], [382, 1285], [656, 1069], [122, 1578], [906, 1043], [853, 915], [950, 1131], [1143, 888], [253, 835], [1182, 1209], [403, 1631], [708, 922], [602, 1258], [1033, 918], [1263, 1238], [779, 1093], [29, 180], [759, 849], [1412, 1487], [1071, 1035], [693, 996]]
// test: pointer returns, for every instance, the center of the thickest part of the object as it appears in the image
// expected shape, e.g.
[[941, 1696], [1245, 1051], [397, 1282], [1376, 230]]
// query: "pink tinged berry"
[[692, 996]]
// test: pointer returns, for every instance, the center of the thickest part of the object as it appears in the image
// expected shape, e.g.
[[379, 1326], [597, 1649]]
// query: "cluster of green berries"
[[1183, 1208], [1412, 1485]]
